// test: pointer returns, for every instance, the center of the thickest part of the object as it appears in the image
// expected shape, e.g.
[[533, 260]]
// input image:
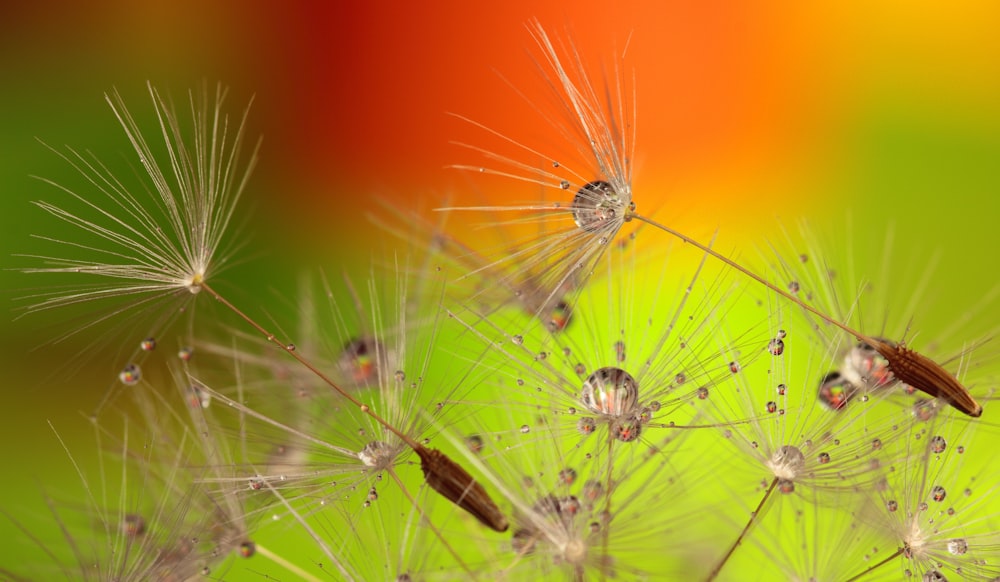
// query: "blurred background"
[[749, 116]]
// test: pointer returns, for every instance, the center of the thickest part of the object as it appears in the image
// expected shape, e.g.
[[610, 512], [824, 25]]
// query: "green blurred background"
[[747, 114]]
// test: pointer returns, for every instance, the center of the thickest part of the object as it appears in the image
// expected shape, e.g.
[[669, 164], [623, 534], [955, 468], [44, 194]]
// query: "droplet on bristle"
[[248, 549], [776, 347], [475, 443], [938, 444], [130, 375], [133, 525], [518, 340], [148, 344], [938, 493], [185, 353]]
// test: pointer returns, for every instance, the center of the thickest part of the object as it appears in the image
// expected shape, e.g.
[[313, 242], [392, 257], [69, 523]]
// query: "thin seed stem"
[[898, 553], [739, 540], [860, 336], [290, 350]]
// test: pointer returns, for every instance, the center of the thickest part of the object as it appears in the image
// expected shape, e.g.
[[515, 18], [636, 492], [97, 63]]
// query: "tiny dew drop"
[[248, 549], [938, 444], [518, 340], [702, 393], [891, 505], [130, 375], [564, 185], [185, 353], [734, 367], [823, 458], [148, 344], [525, 429], [934, 576], [133, 525], [290, 347], [786, 486], [782, 389], [772, 406], [586, 425], [938, 493], [400, 376], [776, 347], [793, 287], [680, 378], [475, 443]]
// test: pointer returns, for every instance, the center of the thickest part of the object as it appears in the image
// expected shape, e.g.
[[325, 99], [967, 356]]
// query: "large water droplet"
[[787, 462], [376, 453], [596, 205], [610, 391], [835, 391]]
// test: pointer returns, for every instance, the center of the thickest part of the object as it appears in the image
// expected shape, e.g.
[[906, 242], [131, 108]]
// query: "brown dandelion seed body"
[[453, 482], [928, 376]]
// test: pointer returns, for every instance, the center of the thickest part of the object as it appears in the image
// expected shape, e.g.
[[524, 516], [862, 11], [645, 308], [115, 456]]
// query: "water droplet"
[[702, 393], [560, 317], [586, 425], [960, 449], [580, 369], [610, 391], [938, 444], [934, 576], [130, 375], [782, 389], [248, 549], [793, 287], [734, 367], [680, 379], [776, 347], [564, 184], [925, 410], [185, 353], [133, 525], [786, 486], [400, 376], [567, 475], [518, 340], [357, 361], [787, 462], [938, 493], [596, 205], [958, 546], [376, 453], [592, 490], [876, 444], [525, 429], [772, 406], [654, 405], [475, 443], [823, 458], [626, 430], [148, 344], [198, 397], [867, 366], [835, 391]]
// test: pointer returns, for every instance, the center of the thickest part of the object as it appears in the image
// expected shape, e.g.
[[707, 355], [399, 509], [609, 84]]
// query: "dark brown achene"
[[926, 375], [453, 482]]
